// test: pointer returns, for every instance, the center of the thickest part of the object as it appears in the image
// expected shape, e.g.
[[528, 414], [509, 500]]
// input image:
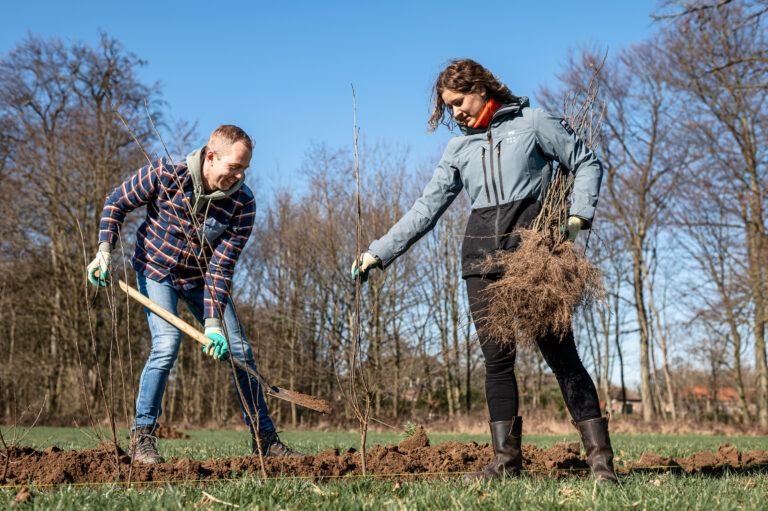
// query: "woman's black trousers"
[[561, 356]]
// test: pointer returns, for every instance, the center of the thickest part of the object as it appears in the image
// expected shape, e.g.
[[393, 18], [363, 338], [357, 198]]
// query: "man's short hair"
[[224, 137]]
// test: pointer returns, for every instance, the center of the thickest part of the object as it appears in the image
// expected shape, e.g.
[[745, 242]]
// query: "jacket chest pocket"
[[514, 150], [512, 158], [212, 230]]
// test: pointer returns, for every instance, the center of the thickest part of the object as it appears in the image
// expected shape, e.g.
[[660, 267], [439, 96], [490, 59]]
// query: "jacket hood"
[[503, 111], [199, 197]]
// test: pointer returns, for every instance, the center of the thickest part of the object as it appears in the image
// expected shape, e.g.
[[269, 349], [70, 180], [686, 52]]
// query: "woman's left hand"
[[572, 227]]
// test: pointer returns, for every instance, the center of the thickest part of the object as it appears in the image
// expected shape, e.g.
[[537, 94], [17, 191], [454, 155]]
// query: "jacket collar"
[[506, 110]]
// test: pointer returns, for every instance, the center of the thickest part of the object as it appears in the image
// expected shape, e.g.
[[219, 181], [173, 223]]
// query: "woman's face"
[[466, 107]]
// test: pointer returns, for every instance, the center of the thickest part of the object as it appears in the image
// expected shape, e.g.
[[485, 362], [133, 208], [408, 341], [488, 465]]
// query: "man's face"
[[224, 170], [465, 107]]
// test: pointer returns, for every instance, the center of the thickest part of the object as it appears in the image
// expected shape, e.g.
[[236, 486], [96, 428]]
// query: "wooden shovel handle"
[[311, 402]]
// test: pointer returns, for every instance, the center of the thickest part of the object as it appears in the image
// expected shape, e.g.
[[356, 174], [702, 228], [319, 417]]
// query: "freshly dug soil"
[[410, 457], [727, 456]]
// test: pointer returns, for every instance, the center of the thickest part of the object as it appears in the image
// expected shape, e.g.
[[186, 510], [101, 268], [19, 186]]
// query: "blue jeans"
[[166, 339]]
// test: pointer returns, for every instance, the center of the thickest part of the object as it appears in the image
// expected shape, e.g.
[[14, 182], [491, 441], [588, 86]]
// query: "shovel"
[[313, 403]]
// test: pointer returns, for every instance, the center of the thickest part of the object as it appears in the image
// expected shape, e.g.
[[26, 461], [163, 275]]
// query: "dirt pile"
[[727, 456], [411, 456]]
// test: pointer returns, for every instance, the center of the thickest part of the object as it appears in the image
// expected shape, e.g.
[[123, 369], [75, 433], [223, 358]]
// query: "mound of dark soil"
[[726, 457], [412, 456]]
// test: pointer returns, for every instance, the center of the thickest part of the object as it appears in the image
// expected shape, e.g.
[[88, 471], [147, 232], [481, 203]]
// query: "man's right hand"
[[217, 347], [363, 265], [98, 270]]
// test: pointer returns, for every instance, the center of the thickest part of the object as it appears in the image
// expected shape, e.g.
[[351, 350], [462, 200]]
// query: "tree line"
[[680, 238]]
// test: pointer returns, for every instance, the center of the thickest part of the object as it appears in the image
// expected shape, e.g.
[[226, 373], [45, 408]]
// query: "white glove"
[[572, 227], [363, 265], [98, 270]]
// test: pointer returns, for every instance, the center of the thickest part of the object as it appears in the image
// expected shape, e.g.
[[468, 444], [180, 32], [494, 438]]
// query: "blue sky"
[[282, 70]]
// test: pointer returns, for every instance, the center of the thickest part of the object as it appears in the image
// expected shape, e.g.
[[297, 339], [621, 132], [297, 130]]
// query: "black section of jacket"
[[481, 239]]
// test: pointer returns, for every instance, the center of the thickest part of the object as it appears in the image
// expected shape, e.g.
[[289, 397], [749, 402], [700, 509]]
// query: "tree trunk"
[[617, 340], [11, 350], [455, 376], [54, 330], [663, 345], [645, 367], [758, 322], [658, 411], [447, 377], [396, 377], [736, 340], [606, 324]]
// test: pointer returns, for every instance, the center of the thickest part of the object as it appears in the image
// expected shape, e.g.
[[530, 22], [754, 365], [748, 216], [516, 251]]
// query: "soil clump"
[[413, 457], [726, 457]]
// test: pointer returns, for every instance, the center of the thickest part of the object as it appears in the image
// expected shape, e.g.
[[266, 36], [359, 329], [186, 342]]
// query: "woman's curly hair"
[[465, 76]]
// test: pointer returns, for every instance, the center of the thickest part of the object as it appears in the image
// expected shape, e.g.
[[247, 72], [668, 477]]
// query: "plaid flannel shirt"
[[171, 243]]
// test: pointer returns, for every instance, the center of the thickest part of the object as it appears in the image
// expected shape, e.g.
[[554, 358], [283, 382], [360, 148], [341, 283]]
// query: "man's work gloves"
[[218, 347], [363, 265], [572, 227], [98, 270]]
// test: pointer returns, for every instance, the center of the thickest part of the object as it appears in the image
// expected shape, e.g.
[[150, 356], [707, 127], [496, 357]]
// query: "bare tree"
[[722, 297], [67, 148], [641, 165], [717, 63], [444, 294]]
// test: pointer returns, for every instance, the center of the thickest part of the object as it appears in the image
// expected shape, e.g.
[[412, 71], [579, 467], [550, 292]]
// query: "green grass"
[[638, 490]]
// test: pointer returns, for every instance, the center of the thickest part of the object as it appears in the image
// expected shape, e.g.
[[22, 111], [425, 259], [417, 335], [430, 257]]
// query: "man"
[[199, 217]]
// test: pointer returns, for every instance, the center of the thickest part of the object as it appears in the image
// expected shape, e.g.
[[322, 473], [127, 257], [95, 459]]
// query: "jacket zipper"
[[495, 190], [498, 160], [485, 175]]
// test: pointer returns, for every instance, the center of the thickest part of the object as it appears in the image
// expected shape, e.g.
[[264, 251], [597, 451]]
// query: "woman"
[[503, 159]]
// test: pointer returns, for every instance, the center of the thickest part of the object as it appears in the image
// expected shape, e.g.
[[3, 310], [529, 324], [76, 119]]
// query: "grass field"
[[637, 491]]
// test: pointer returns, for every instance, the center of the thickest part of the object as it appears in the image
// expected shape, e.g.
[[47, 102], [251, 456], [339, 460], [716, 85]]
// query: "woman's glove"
[[363, 265], [98, 270], [572, 227], [218, 347]]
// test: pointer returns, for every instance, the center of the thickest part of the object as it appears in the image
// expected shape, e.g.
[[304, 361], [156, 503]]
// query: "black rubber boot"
[[144, 446], [506, 437], [271, 446], [597, 444]]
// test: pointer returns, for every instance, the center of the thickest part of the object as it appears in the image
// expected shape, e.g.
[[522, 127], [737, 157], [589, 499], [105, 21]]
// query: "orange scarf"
[[485, 116]]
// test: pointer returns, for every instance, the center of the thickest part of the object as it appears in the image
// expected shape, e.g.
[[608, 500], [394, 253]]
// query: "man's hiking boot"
[[597, 445], [506, 437], [271, 446], [144, 446]]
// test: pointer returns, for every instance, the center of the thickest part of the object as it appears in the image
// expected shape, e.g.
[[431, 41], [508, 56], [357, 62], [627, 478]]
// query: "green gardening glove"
[[363, 265], [98, 270], [218, 347]]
